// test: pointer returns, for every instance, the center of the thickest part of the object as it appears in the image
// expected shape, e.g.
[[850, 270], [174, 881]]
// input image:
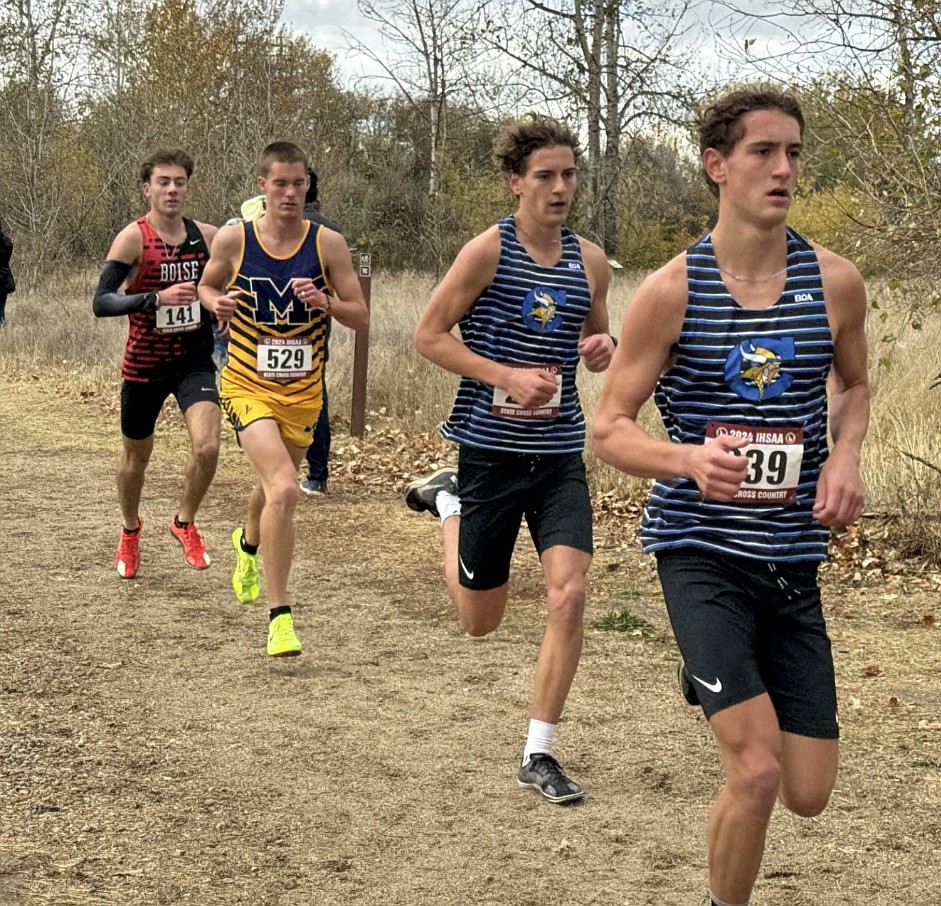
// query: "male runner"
[[737, 339], [276, 280], [529, 296], [150, 275]]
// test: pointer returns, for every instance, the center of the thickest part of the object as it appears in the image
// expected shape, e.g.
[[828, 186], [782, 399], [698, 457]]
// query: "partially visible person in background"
[[7, 283], [251, 209], [220, 344], [315, 482]]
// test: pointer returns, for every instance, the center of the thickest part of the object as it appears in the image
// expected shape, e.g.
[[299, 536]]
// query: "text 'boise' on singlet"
[[759, 375], [529, 316], [276, 343], [175, 339]]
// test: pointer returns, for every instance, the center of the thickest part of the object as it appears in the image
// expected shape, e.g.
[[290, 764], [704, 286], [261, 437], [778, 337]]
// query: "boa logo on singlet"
[[274, 305], [754, 368], [541, 308]]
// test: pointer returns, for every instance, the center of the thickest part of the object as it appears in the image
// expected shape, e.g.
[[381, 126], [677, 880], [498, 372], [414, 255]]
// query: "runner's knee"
[[206, 451], [754, 776], [566, 602], [134, 460], [477, 625], [283, 494], [479, 617]]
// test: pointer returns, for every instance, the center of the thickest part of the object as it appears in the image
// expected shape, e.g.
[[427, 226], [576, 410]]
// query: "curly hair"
[[720, 123], [517, 140]]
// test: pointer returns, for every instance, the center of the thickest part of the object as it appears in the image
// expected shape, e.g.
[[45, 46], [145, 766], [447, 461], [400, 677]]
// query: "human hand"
[[532, 387], [596, 351], [839, 499], [313, 298], [717, 468], [178, 294], [223, 306]]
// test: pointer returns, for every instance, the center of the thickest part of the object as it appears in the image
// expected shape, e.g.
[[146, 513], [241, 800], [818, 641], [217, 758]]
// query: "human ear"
[[714, 164]]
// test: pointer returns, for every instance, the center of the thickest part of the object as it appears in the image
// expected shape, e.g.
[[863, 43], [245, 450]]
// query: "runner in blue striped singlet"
[[738, 340], [529, 297]]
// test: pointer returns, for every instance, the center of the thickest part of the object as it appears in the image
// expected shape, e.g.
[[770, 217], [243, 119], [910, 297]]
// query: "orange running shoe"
[[193, 548], [127, 558]]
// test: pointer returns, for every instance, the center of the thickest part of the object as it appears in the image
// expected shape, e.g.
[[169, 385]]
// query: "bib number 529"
[[283, 358]]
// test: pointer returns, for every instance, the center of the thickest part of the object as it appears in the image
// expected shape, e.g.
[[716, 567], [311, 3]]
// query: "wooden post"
[[361, 354]]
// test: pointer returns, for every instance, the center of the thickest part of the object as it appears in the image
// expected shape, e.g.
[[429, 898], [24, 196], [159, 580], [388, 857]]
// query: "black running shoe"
[[686, 685], [543, 773], [421, 493]]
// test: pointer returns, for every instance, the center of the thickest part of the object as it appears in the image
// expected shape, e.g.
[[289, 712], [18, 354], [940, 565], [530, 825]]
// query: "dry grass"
[[902, 455], [52, 330]]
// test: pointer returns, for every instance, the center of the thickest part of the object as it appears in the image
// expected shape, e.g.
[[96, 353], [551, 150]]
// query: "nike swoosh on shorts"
[[712, 687]]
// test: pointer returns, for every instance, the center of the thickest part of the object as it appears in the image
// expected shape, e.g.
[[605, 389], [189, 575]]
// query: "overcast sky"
[[324, 21]]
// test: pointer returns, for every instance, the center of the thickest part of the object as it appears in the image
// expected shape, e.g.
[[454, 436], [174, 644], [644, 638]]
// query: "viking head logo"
[[755, 367], [541, 308]]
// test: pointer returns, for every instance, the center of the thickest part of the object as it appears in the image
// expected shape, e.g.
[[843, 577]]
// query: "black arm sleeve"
[[108, 302]]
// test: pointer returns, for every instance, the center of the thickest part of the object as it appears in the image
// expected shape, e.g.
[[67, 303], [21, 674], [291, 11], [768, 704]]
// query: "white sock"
[[540, 738], [448, 504], [717, 902]]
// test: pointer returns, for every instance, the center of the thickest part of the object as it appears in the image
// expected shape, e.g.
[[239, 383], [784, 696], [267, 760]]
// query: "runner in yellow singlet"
[[275, 280]]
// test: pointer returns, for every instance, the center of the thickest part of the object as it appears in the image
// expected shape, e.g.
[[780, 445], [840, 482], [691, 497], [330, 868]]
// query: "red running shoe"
[[127, 558], [193, 548]]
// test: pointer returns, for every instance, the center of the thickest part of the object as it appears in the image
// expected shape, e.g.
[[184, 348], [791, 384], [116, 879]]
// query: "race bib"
[[774, 461], [178, 318], [505, 405], [284, 358]]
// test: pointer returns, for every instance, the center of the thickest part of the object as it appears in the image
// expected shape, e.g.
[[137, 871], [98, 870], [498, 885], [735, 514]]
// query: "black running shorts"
[[746, 627], [141, 401], [498, 489]]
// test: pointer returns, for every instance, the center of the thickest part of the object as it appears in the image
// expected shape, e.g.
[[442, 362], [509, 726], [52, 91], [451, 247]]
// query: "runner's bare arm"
[[467, 278], [596, 346], [650, 330], [839, 499], [347, 305], [223, 255], [209, 232]]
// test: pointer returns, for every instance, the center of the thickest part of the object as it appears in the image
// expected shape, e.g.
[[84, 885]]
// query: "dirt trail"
[[150, 753]]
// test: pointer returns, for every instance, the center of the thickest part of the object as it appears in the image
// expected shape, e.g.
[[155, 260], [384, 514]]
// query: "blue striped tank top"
[[529, 315], [761, 374], [268, 311]]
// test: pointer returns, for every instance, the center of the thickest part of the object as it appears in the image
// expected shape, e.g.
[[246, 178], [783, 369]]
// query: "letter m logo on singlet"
[[274, 305]]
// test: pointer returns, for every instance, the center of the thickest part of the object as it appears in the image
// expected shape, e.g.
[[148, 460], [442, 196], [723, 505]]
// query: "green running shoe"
[[245, 577], [282, 640]]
